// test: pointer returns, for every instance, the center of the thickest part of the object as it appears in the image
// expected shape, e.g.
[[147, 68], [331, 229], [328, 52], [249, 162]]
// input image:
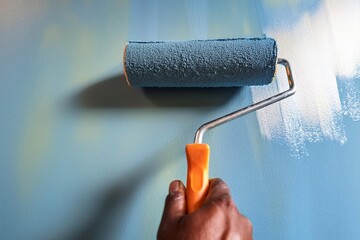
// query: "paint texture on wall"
[[324, 54], [325, 61], [84, 156]]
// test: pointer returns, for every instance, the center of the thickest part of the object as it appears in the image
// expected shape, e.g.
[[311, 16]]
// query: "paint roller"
[[205, 63]]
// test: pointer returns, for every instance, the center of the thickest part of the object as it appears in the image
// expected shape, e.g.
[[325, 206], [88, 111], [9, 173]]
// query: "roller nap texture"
[[201, 63]]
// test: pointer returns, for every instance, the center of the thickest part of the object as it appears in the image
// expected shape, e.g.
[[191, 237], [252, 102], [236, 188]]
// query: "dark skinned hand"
[[217, 218]]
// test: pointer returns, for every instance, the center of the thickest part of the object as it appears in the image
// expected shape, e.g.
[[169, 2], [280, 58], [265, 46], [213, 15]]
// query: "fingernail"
[[174, 186]]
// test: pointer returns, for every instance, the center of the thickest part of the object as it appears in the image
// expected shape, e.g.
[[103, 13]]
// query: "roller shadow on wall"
[[111, 94], [114, 92], [116, 199]]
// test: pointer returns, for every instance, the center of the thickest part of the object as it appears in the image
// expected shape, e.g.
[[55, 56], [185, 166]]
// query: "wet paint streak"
[[318, 59], [344, 21]]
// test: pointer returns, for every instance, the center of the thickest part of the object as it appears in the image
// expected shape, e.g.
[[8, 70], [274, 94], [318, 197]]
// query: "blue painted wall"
[[83, 156]]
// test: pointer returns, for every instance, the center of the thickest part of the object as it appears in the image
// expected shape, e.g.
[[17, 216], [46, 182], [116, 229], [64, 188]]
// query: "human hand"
[[217, 218]]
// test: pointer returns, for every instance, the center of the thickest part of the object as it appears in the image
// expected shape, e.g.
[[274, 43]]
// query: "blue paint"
[[92, 181], [201, 63], [275, 12]]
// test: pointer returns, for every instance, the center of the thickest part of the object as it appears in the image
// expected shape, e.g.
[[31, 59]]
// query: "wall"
[[83, 156]]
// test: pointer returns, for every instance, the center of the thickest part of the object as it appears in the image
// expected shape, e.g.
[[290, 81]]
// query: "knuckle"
[[220, 185], [224, 201], [217, 181], [246, 223]]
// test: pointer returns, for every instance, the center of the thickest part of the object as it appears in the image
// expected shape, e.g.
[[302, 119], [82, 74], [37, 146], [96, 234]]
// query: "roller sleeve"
[[201, 63]]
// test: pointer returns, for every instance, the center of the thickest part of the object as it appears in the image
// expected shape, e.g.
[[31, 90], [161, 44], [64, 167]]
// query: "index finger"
[[218, 191]]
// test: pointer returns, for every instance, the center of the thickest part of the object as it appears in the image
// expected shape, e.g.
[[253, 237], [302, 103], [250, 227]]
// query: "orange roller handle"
[[198, 175]]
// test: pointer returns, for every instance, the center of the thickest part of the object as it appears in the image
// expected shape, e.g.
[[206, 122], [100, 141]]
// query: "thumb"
[[175, 203]]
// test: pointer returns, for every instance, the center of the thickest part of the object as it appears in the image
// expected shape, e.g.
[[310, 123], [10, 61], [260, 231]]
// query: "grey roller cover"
[[201, 63]]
